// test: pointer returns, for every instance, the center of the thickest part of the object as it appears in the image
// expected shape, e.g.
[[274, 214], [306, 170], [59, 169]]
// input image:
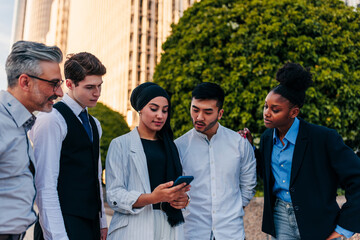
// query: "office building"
[[125, 35]]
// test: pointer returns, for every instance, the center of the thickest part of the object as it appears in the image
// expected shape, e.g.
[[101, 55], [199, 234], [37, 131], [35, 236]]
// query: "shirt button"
[[287, 192], [292, 189], [282, 165], [114, 203], [297, 208], [283, 181]]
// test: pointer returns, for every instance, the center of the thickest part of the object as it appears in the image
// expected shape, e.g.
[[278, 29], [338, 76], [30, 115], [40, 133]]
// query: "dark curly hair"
[[294, 80]]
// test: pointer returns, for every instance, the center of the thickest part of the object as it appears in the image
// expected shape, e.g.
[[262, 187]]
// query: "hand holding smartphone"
[[182, 179]]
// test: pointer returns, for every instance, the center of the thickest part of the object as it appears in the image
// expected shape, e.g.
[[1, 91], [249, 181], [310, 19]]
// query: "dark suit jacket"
[[321, 163]]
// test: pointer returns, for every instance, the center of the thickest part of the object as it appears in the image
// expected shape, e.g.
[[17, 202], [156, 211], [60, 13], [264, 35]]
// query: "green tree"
[[240, 44], [112, 124]]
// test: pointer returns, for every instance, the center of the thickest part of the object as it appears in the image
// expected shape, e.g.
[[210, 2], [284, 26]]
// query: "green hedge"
[[112, 124], [240, 44]]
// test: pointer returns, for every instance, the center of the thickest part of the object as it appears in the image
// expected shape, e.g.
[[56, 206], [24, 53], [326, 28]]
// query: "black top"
[[156, 161]]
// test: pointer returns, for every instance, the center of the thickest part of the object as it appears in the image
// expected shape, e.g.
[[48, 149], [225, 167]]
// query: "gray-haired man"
[[34, 81]]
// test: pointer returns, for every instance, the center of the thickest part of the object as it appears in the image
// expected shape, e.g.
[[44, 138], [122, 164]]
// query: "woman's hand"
[[165, 193], [181, 202], [334, 235], [162, 193], [246, 134]]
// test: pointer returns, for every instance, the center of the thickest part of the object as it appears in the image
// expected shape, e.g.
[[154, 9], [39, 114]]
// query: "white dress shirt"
[[47, 136], [224, 171]]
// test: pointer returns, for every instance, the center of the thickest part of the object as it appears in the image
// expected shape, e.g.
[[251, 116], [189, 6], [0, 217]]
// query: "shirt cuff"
[[344, 232]]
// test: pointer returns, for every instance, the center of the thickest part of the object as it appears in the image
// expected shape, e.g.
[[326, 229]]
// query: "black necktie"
[[85, 121]]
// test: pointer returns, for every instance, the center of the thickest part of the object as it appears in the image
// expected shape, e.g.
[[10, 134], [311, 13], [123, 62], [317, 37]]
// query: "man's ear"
[[24, 82], [69, 84], [221, 112]]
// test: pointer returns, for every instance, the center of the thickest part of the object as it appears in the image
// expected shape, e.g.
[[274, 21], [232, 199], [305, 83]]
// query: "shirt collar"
[[19, 113], [73, 105], [292, 133], [203, 136]]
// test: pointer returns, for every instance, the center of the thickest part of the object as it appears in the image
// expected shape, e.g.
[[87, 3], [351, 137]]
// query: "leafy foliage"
[[112, 124], [240, 44]]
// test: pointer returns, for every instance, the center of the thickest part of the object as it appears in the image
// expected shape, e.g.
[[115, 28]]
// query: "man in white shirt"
[[68, 163], [223, 166]]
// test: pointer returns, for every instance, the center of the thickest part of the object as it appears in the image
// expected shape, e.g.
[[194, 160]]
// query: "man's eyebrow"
[[206, 109], [94, 84]]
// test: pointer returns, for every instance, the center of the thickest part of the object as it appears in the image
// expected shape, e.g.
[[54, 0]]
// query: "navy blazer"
[[321, 163]]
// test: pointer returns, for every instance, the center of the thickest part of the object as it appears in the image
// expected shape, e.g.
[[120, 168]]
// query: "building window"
[[138, 77]]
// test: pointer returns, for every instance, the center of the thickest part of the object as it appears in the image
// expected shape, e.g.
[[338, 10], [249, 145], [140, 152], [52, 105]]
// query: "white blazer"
[[126, 179]]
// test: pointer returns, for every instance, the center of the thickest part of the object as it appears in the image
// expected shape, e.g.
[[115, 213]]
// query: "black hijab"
[[140, 96]]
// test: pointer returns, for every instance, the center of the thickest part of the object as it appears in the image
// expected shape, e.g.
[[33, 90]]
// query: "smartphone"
[[182, 179]]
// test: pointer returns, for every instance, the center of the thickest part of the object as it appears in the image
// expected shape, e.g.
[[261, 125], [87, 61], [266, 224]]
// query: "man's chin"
[[92, 104], [47, 108], [200, 130]]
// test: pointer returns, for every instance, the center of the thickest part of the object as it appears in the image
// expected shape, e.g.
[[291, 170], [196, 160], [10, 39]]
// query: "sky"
[[6, 14]]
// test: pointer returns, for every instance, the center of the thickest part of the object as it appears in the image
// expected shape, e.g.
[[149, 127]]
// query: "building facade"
[[125, 35]]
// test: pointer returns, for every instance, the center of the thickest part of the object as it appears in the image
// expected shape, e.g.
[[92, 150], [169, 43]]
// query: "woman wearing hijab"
[[140, 169], [302, 166]]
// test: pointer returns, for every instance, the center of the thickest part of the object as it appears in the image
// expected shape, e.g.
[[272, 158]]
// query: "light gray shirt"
[[224, 170], [17, 189]]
